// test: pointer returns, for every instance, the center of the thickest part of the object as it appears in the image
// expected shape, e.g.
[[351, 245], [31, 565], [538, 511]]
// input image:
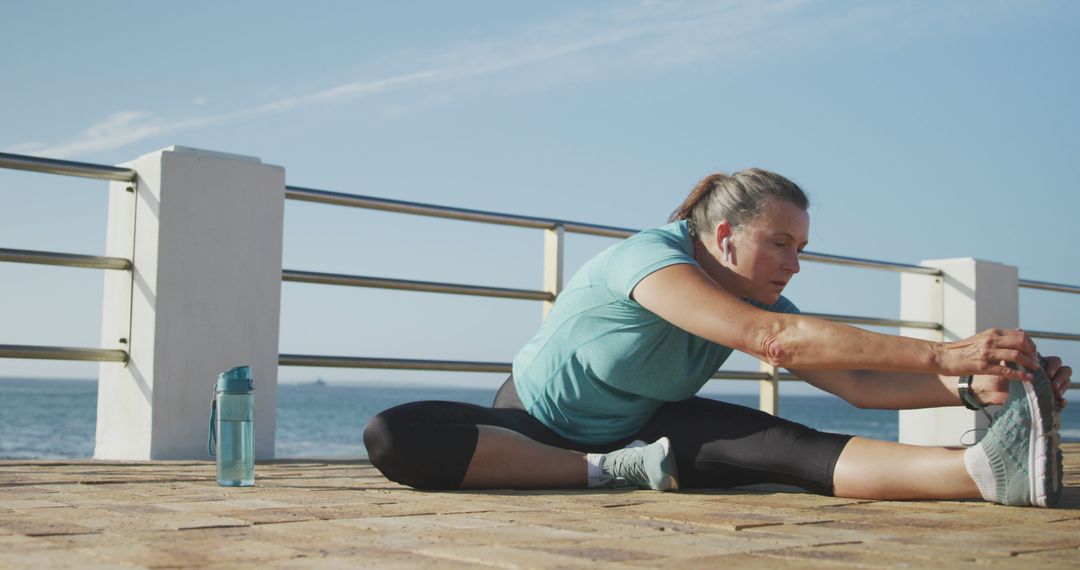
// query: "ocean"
[[55, 419]]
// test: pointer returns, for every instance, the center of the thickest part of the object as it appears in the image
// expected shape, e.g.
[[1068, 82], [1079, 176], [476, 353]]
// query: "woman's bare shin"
[[871, 469], [507, 459]]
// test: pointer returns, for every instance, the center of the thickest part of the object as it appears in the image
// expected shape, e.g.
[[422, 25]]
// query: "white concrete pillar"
[[204, 231], [973, 296]]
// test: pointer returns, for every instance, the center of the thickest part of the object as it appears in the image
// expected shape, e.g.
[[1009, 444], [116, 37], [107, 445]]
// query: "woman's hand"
[[989, 352], [995, 389], [1060, 377]]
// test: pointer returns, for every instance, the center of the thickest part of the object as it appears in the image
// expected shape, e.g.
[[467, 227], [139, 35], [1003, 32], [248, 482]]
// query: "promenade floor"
[[336, 514]]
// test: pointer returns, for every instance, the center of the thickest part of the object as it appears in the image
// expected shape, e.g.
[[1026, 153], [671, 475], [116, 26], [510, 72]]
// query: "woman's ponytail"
[[737, 198], [701, 191]]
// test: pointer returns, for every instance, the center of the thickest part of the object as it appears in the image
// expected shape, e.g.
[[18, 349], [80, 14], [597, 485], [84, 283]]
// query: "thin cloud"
[[348, 91], [653, 35], [116, 130]]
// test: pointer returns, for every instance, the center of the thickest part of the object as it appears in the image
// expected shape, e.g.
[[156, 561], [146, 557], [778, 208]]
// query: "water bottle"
[[231, 437]]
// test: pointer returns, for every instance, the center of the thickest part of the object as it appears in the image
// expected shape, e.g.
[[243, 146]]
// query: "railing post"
[[204, 233], [769, 390], [972, 296], [553, 263]]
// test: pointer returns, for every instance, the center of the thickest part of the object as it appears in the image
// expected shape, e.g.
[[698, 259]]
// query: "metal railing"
[[66, 167], [431, 210], [554, 230], [1045, 286], [80, 170], [1057, 288], [315, 361], [62, 353], [64, 259], [406, 285], [552, 278]]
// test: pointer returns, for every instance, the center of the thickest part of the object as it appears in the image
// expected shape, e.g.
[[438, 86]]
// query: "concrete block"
[[972, 296], [204, 232]]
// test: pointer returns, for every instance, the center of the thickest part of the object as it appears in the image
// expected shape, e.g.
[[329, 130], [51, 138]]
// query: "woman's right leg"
[[504, 458], [451, 445]]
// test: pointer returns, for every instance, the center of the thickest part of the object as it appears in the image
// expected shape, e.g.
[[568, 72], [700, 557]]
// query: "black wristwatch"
[[967, 396]]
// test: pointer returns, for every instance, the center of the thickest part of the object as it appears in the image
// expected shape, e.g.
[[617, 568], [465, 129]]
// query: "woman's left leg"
[[718, 444], [872, 469], [1017, 462]]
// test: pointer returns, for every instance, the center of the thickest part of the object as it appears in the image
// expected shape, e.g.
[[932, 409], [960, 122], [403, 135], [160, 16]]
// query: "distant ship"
[[319, 382]]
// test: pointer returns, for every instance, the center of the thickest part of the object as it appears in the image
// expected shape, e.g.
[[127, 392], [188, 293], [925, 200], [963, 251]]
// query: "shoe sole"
[[670, 480], [1043, 445]]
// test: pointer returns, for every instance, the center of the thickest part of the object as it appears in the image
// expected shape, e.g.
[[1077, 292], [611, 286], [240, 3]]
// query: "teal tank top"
[[601, 364]]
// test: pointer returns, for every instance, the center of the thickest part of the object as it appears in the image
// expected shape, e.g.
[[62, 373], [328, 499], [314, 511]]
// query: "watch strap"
[[967, 396], [971, 402]]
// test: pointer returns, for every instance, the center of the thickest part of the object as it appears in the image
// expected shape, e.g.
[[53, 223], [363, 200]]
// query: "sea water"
[[44, 419]]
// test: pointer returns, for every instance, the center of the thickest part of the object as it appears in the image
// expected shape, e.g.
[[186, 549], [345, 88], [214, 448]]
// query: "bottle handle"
[[211, 438]]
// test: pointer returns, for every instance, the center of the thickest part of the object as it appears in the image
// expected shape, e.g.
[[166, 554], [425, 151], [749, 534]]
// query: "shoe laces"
[[989, 422], [627, 467], [975, 440]]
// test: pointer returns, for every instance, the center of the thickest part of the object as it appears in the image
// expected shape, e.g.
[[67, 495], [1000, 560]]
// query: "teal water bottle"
[[232, 429]]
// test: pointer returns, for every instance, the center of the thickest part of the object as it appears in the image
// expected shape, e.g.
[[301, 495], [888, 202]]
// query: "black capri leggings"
[[428, 445]]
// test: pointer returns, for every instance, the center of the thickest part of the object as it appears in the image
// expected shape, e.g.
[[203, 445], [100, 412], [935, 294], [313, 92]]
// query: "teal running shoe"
[[1019, 460], [646, 467]]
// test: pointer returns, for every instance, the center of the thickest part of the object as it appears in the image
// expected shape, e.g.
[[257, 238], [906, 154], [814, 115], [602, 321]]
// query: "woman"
[[643, 325]]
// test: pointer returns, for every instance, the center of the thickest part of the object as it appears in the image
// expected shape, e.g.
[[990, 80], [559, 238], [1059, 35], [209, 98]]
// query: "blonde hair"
[[737, 198]]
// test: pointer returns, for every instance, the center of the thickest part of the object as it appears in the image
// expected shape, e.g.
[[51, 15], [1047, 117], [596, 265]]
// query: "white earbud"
[[725, 246]]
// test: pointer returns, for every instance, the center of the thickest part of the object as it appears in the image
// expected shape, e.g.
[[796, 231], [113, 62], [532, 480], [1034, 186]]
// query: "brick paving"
[[338, 514]]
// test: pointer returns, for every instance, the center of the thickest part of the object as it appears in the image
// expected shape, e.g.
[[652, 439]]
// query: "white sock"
[[596, 469], [978, 467]]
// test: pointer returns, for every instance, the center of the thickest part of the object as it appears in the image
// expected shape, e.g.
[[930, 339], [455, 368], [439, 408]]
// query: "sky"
[[921, 130]]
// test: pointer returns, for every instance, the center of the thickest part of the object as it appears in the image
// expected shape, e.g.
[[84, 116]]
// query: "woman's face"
[[765, 252]]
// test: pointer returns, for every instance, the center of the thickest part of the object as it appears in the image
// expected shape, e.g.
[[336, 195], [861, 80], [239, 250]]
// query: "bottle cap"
[[235, 380]]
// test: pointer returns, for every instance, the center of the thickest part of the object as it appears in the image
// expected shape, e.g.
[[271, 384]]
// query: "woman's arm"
[[911, 390], [873, 389], [687, 297]]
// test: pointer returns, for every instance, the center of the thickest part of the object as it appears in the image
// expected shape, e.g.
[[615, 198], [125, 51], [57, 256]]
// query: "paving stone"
[[100, 520], [18, 542], [372, 559], [781, 500], [1063, 558], [524, 526], [342, 540], [20, 505], [860, 555], [998, 542], [218, 506], [510, 557], [269, 516], [812, 533], [749, 562], [17, 491], [34, 524], [204, 553], [327, 514], [715, 542], [713, 515], [57, 559]]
